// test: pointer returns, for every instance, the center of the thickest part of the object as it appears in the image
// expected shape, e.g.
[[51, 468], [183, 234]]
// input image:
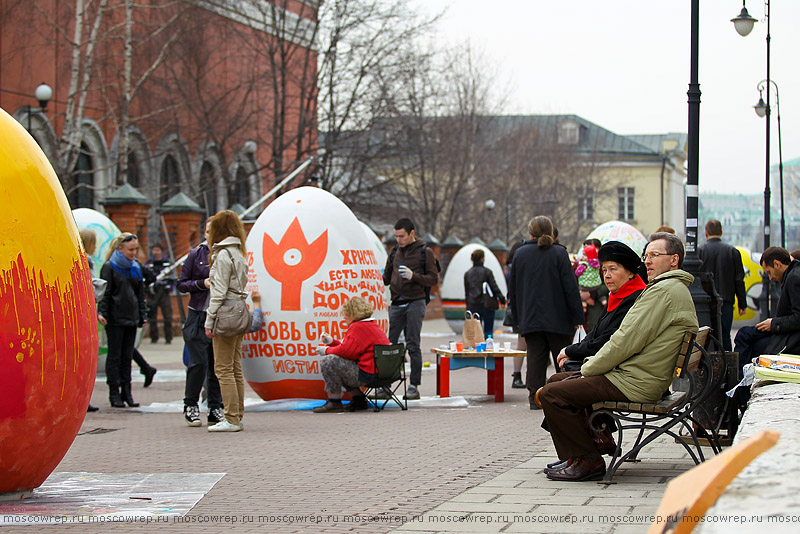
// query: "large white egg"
[[380, 254], [308, 255], [105, 230], [452, 290]]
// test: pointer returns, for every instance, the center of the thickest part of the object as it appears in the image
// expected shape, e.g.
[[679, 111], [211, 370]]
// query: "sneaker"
[[382, 394], [215, 415], [225, 426], [412, 393], [192, 415]]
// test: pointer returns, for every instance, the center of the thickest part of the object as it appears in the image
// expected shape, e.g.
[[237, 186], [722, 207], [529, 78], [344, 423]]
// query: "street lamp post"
[[546, 203], [43, 94], [762, 110], [744, 25], [692, 263]]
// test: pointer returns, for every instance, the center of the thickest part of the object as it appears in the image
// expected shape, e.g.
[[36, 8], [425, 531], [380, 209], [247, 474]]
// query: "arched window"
[[170, 179], [133, 171], [241, 187], [133, 178], [208, 189], [81, 194]]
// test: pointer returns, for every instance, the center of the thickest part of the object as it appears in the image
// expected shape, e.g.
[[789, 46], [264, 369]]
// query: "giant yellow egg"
[[48, 325]]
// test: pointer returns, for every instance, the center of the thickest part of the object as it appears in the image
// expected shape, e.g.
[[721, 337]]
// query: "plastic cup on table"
[[480, 347], [507, 346], [453, 346], [459, 347]]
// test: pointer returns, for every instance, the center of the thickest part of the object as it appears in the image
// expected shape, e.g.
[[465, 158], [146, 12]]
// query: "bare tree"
[[151, 44], [448, 107], [286, 48], [366, 48]]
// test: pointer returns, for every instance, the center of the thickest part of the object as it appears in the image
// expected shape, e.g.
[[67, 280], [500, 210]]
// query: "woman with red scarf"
[[618, 265]]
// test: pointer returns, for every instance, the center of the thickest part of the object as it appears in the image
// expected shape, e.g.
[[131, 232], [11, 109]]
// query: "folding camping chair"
[[391, 374]]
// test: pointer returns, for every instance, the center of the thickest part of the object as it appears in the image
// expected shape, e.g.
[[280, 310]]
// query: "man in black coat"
[[780, 333], [725, 262]]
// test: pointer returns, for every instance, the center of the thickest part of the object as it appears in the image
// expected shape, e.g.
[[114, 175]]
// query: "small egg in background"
[[452, 290]]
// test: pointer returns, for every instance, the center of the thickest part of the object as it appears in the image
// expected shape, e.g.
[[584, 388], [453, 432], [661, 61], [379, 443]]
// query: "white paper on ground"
[[76, 498]]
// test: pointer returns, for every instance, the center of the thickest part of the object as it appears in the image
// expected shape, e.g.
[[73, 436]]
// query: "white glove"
[[326, 339], [321, 351], [405, 272]]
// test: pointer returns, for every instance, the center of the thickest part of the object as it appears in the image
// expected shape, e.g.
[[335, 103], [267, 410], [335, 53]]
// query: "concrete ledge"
[[764, 495]]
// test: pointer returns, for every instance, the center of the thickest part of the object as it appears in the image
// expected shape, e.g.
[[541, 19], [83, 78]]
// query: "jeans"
[[407, 318], [487, 320], [201, 362], [163, 300], [121, 340], [727, 321]]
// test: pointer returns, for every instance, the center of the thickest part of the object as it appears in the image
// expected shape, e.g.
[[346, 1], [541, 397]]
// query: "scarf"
[[630, 287], [124, 266]]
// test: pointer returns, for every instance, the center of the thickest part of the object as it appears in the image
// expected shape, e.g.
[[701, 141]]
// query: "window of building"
[[625, 204], [585, 204], [82, 193], [242, 187], [569, 133], [170, 179], [208, 189], [133, 172]]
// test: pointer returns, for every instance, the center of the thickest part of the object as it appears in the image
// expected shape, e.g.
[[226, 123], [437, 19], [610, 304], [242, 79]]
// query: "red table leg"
[[498, 380], [490, 382], [443, 377]]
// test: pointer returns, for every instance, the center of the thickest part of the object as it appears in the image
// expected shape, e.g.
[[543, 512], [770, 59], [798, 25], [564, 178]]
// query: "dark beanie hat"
[[620, 253]]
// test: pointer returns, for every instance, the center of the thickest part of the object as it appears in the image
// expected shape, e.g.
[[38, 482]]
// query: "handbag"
[[472, 333], [233, 317], [488, 299], [508, 320]]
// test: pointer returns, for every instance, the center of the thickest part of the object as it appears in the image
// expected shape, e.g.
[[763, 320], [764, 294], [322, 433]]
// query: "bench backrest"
[[690, 353]]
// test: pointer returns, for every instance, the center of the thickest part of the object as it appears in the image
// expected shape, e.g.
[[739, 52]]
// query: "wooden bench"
[[667, 416], [491, 361]]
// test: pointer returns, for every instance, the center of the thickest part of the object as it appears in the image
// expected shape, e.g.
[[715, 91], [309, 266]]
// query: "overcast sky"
[[624, 65]]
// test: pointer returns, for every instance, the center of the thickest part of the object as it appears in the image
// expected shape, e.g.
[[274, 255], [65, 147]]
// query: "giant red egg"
[[48, 326]]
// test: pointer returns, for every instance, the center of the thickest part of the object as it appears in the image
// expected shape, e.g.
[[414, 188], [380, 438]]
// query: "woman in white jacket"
[[228, 277]]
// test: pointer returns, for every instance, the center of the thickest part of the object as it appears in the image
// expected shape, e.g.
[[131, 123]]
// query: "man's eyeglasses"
[[653, 255], [129, 238]]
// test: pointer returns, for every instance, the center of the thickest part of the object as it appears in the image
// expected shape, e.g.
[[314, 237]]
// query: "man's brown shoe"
[[329, 407], [604, 442], [578, 470]]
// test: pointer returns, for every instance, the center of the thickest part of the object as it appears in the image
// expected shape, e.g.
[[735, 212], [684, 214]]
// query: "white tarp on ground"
[[96, 498], [252, 404]]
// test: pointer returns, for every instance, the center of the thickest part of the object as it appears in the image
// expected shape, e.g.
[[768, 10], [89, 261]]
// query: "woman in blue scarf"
[[121, 311]]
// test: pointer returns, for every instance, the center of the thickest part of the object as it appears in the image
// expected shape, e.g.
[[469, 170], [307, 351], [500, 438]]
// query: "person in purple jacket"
[[194, 280]]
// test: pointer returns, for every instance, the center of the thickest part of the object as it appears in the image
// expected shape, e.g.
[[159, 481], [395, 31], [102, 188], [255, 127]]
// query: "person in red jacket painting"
[[350, 364]]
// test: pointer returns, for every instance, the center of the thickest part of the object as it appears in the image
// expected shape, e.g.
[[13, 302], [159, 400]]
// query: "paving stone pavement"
[[475, 469]]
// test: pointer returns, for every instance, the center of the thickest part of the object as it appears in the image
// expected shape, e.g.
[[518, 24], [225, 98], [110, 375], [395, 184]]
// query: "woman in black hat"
[[618, 265]]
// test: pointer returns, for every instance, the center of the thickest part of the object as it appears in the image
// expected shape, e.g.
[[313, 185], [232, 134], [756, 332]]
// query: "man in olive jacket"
[[635, 365]]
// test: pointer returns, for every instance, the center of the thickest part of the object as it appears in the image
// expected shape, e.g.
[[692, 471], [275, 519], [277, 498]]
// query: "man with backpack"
[[411, 271]]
